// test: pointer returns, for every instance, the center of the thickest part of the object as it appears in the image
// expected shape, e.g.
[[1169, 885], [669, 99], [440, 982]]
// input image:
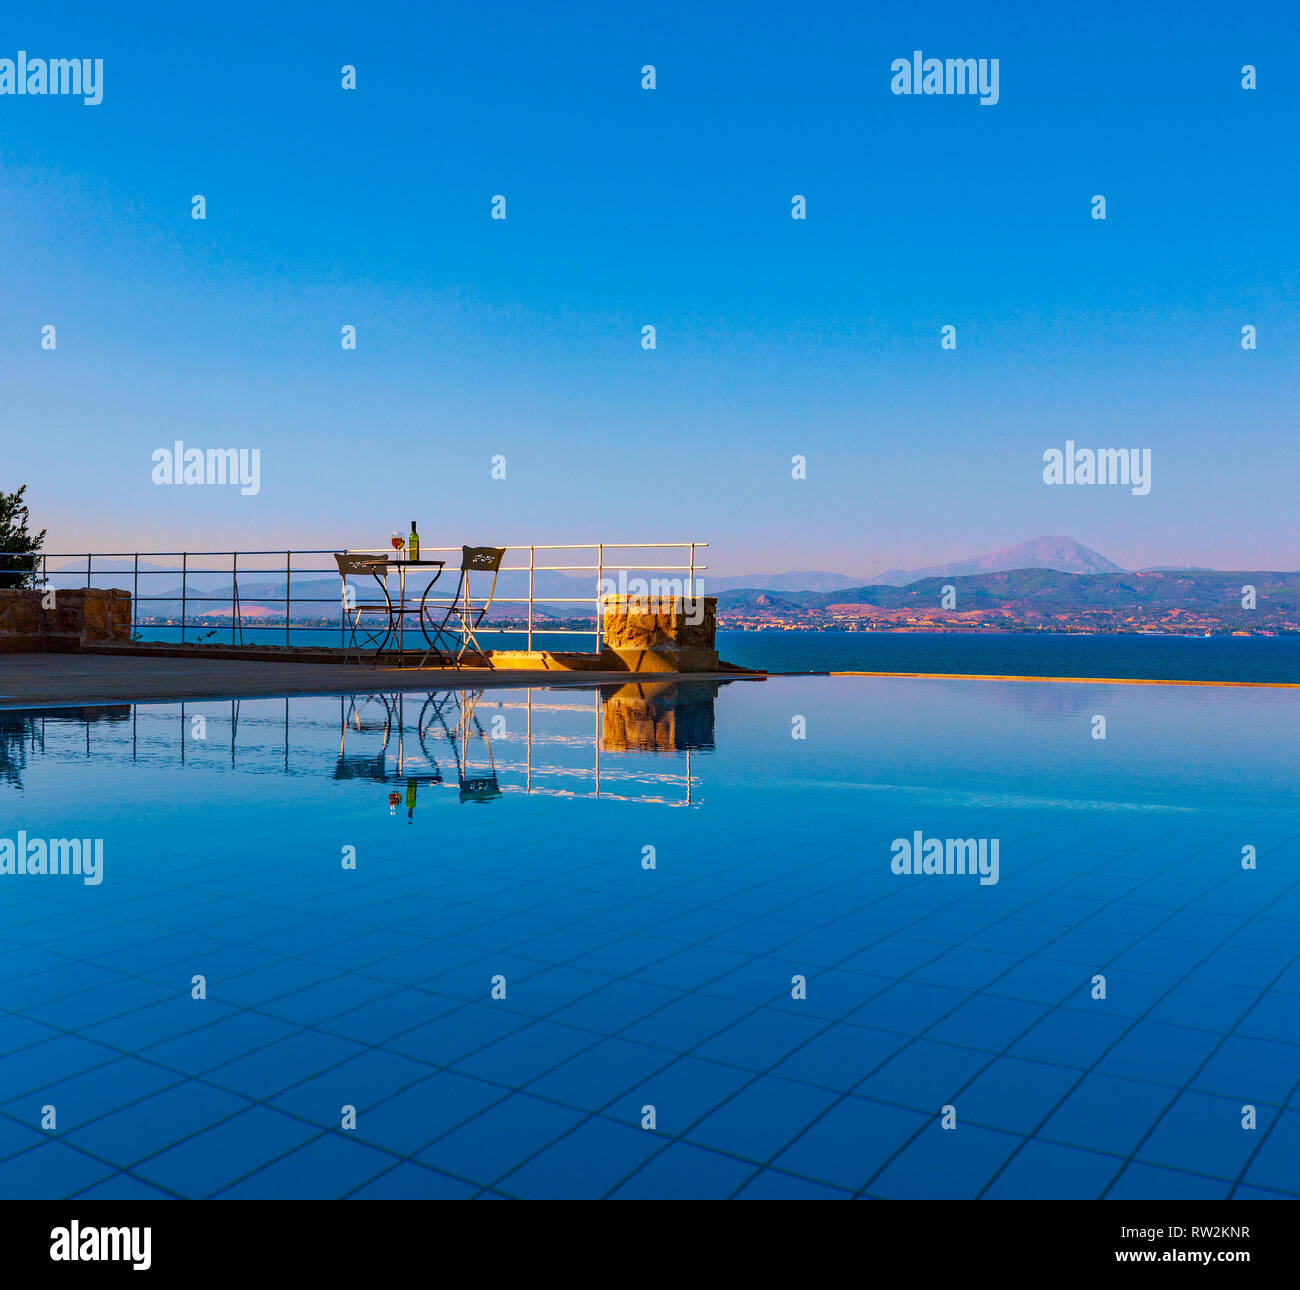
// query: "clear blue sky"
[[672, 208]]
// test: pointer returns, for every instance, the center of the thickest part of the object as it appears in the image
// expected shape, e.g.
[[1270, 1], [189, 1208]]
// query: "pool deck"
[[56, 680]]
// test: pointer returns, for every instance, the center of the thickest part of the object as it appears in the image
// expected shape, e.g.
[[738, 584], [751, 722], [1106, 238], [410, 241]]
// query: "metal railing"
[[611, 562]]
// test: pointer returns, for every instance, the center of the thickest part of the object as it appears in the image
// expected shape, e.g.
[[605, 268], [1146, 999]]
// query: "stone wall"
[[84, 616], [663, 634]]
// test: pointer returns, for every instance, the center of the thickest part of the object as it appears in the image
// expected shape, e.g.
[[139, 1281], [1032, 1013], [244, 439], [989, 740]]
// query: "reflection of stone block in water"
[[668, 717], [21, 730], [96, 712]]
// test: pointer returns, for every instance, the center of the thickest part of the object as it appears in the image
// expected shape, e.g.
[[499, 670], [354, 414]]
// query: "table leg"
[[382, 584], [424, 625]]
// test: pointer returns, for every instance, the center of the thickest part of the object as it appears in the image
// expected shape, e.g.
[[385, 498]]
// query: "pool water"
[[649, 941]]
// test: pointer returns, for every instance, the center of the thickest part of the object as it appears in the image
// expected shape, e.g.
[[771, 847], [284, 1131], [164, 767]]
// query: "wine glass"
[[398, 540]]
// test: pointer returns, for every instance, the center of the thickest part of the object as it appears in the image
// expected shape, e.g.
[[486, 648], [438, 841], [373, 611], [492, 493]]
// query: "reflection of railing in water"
[[482, 744], [23, 732], [476, 751]]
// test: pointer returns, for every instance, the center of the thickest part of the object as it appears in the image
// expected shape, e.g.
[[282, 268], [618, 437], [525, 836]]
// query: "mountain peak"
[[1061, 554]]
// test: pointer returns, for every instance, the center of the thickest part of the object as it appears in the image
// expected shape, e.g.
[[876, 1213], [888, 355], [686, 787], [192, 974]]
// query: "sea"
[[1267, 659]]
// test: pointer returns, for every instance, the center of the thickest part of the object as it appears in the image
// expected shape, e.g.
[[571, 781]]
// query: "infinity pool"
[[651, 941]]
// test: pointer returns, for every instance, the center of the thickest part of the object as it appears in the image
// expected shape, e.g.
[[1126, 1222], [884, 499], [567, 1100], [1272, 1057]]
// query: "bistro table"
[[398, 612]]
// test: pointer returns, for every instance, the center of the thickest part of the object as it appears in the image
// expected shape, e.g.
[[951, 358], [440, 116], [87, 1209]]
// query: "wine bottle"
[[413, 544]]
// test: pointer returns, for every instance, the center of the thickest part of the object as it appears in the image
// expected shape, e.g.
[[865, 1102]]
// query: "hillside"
[[1188, 600]]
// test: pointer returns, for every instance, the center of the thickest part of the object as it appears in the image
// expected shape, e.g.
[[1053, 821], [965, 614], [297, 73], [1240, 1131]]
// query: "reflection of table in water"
[[448, 717]]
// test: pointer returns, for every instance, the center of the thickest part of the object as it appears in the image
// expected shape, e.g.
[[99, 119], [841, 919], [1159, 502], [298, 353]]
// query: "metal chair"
[[463, 607], [374, 566]]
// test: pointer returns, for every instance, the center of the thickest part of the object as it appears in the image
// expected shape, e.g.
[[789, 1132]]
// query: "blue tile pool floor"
[[502, 1000]]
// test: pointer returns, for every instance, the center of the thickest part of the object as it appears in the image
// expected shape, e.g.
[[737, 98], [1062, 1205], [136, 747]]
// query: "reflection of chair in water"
[[477, 784], [361, 715]]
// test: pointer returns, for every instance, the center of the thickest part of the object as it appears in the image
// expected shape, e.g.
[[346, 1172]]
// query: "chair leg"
[[435, 641], [432, 649], [471, 638]]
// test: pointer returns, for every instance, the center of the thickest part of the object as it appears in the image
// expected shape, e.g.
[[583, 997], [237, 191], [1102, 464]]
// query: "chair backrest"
[[482, 788], [354, 565], [481, 559]]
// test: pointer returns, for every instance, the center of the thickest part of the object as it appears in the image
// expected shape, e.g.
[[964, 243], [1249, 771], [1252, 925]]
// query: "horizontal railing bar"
[[316, 600], [512, 568], [329, 550], [526, 546], [333, 628], [537, 568]]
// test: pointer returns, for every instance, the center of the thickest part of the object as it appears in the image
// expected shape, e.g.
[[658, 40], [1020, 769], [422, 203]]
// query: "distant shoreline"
[[1116, 658], [1057, 680]]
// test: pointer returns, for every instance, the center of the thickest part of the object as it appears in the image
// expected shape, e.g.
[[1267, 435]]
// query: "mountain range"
[[1059, 554], [1181, 601]]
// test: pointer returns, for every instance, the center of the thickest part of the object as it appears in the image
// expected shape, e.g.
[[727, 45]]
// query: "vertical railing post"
[[234, 593], [532, 556], [135, 595], [185, 564], [690, 583], [90, 555], [600, 599], [288, 596]]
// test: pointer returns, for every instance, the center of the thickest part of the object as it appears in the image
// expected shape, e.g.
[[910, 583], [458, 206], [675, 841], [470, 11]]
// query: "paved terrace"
[[46, 680]]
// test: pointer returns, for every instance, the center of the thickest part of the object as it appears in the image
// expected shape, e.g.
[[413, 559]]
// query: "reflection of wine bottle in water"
[[410, 799], [413, 544]]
